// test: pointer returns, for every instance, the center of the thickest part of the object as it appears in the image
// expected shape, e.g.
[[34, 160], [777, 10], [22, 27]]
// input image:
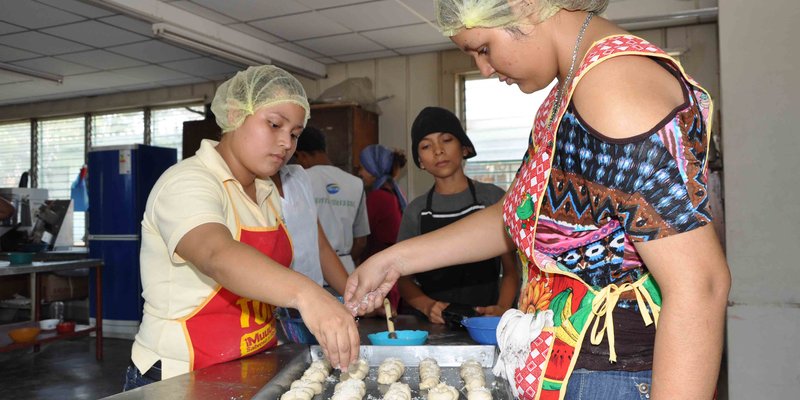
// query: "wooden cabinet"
[[348, 128]]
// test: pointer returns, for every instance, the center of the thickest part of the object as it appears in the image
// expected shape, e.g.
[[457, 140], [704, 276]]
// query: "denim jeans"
[[135, 379], [605, 385]]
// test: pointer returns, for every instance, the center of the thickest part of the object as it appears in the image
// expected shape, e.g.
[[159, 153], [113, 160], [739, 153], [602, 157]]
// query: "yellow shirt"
[[191, 193]]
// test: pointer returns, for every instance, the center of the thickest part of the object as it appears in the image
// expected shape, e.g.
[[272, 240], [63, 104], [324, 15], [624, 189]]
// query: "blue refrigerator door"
[[122, 288]]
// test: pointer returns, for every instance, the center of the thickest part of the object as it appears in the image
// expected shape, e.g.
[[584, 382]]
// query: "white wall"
[[761, 137]]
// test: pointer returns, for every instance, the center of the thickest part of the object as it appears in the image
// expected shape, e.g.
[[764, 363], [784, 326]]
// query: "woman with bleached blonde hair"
[[608, 212]]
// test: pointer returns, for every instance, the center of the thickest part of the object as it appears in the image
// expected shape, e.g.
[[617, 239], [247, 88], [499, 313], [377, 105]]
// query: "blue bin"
[[482, 329], [404, 338]]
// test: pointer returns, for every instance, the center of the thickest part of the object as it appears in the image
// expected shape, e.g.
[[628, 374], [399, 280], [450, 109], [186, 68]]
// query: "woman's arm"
[[332, 269], [477, 237], [245, 271], [509, 286], [691, 271]]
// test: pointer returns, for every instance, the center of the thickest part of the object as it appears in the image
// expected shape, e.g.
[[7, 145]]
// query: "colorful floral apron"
[[576, 306], [227, 326]]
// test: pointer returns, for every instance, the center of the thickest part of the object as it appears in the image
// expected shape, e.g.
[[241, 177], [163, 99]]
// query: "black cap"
[[437, 119], [311, 140]]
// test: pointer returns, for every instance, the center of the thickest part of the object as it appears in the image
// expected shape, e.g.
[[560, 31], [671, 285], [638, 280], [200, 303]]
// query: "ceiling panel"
[[255, 32], [300, 26], [381, 14], [249, 10], [101, 59], [367, 56], [34, 15], [129, 23], [54, 66], [340, 45], [77, 7], [407, 36], [319, 4], [424, 8], [299, 50], [153, 51], [202, 11], [426, 49], [204, 67], [8, 28], [151, 73], [43, 44], [11, 54], [95, 34]]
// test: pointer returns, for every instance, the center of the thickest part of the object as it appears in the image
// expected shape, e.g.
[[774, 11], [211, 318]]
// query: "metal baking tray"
[[449, 358]]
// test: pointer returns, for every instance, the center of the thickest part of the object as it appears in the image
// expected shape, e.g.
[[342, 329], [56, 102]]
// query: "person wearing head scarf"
[[380, 167], [440, 147], [625, 283], [215, 254]]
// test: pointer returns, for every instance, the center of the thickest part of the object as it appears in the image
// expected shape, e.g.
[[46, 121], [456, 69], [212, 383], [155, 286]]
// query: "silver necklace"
[[567, 80]]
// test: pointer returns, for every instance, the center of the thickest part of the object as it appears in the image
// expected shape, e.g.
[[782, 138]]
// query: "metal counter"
[[244, 378]]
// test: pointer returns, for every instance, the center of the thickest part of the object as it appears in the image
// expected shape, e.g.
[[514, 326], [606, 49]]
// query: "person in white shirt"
[[341, 206], [313, 255]]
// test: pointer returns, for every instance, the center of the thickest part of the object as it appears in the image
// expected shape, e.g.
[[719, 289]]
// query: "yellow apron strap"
[[604, 303]]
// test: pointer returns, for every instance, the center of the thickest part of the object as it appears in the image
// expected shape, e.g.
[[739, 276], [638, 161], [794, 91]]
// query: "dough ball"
[[442, 391], [316, 386], [480, 393], [298, 393], [398, 391]]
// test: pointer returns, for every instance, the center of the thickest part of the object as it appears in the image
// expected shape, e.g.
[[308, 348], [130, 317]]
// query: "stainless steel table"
[[242, 379]]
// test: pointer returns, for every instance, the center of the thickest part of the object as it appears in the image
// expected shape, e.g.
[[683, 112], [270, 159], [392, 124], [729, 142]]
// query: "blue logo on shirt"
[[332, 188]]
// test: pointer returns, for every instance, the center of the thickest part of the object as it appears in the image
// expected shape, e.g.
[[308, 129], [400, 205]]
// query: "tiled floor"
[[65, 370]]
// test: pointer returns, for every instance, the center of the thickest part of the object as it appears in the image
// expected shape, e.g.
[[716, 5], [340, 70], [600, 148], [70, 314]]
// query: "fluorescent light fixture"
[[32, 73], [208, 45]]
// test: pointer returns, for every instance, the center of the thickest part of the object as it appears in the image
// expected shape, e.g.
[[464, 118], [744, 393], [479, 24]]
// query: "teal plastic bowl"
[[404, 338], [19, 258], [482, 329]]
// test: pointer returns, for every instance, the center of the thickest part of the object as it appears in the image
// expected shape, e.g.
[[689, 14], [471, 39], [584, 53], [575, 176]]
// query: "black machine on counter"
[[38, 230]]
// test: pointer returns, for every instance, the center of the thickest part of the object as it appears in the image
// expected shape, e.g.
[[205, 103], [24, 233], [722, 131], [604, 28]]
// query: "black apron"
[[473, 284]]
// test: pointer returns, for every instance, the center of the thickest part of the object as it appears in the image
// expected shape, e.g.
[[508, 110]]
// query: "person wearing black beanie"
[[440, 146]]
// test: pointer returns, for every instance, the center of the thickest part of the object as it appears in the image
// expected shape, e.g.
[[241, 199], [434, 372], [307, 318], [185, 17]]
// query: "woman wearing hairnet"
[[608, 211], [215, 254]]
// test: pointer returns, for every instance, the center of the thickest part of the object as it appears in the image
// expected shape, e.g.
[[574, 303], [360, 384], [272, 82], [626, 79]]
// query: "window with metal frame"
[[498, 119], [15, 152], [61, 151], [166, 125], [118, 129]]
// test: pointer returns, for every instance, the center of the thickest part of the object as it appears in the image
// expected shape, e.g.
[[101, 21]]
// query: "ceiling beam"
[[210, 34]]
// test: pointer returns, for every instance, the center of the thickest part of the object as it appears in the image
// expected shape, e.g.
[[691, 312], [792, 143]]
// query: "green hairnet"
[[454, 16], [252, 89]]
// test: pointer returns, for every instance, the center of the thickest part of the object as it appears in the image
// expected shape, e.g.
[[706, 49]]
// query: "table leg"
[[36, 301]]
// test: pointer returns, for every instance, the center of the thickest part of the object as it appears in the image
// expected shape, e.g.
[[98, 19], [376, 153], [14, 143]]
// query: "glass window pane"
[[166, 125], [61, 156], [498, 119], [118, 129], [15, 152]]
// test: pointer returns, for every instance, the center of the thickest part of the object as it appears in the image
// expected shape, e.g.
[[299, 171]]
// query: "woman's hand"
[[495, 310], [434, 312], [333, 326], [370, 283]]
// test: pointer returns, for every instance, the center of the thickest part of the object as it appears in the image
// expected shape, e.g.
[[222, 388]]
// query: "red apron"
[[227, 326]]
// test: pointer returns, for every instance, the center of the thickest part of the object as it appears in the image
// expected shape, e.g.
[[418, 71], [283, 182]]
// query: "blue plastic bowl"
[[296, 330], [404, 338], [20, 258], [482, 329]]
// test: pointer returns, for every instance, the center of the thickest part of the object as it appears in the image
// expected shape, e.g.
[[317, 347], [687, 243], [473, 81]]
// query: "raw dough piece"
[[316, 386], [352, 389], [357, 370], [442, 391], [352, 385], [398, 391], [472, 373], [429, 373], [390, 371], [480, 393], [298, 393], [323, 364]]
